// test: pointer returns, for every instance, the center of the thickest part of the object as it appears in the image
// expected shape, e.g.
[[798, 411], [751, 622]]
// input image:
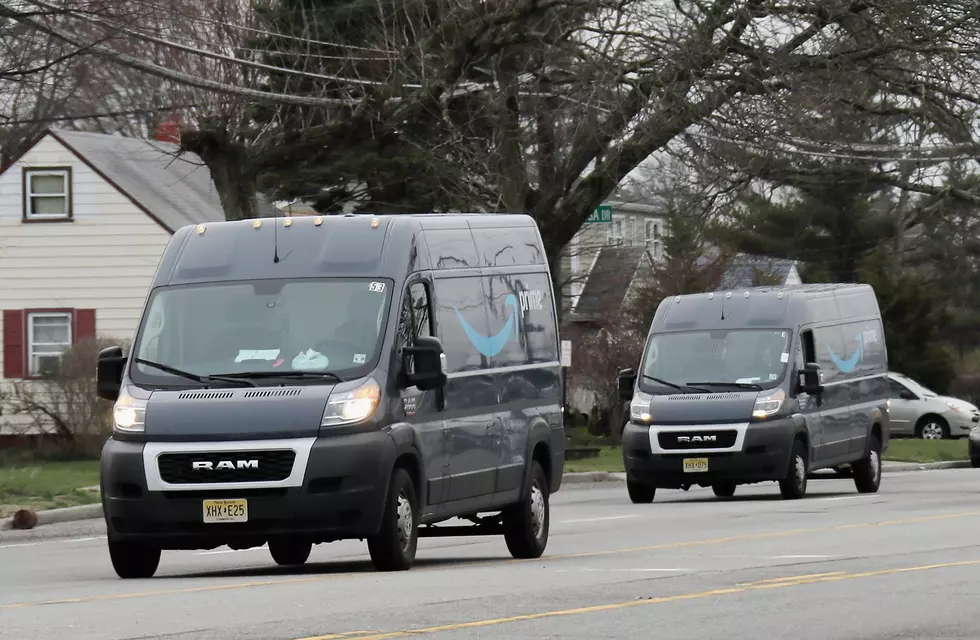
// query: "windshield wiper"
[[193, 376], [251, 375], [672, 385], [740, 385]]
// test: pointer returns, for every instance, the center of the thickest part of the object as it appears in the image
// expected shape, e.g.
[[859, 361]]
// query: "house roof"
[[174, 191], [609, 280], [743, 269]]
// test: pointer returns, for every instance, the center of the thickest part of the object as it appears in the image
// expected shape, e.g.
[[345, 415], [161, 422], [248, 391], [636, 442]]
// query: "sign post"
[[566, 362]]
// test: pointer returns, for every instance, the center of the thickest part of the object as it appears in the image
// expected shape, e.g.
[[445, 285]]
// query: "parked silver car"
[[915, 410]]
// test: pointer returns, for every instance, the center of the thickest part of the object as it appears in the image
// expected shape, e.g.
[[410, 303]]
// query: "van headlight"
[[350, 407], [640, 407], [768, 405], [129, 414]]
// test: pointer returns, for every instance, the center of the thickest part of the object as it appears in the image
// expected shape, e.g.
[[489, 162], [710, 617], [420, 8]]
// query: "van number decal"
[[377, 287]]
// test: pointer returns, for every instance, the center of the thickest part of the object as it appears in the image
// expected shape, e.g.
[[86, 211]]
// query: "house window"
[[616, 232], [651, 234], [48, 336], [47, 194]]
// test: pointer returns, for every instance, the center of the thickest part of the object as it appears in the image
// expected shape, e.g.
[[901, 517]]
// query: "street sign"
[[602, 213], [566, 353]]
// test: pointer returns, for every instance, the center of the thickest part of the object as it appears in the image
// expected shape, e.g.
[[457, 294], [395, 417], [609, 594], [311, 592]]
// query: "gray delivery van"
[[303, 380], [755, 385]]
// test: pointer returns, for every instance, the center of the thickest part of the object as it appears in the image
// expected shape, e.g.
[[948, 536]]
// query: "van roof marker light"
[[200, 229], [288, 222], [318, 221], [256, 224], [375, 223]]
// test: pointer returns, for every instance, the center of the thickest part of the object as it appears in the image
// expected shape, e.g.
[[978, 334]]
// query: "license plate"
[[695, 465], [225, 511]]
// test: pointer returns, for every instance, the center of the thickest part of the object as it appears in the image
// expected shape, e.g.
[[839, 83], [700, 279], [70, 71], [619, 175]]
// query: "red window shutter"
[[13, 344], [84, 325]]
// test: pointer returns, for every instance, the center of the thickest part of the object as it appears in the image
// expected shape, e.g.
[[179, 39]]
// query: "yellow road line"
[[781, 583], [484, 561]]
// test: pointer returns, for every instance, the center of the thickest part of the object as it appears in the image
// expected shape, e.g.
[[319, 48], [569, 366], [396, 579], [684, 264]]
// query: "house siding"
[[104, 259]]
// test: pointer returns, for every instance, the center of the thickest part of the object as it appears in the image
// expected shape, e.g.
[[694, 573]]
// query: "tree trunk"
[[230, 167]]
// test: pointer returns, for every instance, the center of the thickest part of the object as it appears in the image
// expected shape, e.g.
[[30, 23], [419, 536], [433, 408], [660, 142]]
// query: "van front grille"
[[227, 466]]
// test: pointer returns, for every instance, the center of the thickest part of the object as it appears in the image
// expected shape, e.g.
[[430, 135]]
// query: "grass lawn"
[[47, 485], [904, 450]]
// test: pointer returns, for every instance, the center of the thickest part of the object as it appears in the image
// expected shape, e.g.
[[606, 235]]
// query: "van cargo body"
[[755, 385], [303, 380]]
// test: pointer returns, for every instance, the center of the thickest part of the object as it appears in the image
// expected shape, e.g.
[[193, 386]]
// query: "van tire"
[[724, 489], [526, 524], [793, 485], [393, 547], [867, 470], [640, 493], [134, 560], [290, 552]]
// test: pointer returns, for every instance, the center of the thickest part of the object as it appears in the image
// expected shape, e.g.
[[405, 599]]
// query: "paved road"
[[900, 564]]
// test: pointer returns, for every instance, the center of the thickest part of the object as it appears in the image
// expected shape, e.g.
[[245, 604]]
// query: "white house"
[[84, 220]]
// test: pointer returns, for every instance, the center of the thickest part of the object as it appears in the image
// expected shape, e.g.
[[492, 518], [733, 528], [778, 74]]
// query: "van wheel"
[[793, 486], [640, 493], [526, 524], [724, 489], [290, 552], [393, 547], [134, 560], [867, 471]]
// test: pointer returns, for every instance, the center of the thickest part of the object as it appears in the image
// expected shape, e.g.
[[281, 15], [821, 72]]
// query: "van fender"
[[539, 432], [405, 441], [877, 417], [801, 427]]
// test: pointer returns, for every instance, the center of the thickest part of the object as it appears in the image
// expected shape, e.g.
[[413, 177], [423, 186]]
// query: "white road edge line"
[[40, 542], [602, 519]]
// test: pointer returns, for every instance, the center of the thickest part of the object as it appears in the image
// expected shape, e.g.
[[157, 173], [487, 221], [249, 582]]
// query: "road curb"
[[93, 511], [65, 514]]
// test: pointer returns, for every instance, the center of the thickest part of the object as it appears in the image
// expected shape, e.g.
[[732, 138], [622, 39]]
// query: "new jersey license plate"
[[695, 465], [216, 511]]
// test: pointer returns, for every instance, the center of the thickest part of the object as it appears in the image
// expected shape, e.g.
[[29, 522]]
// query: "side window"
[[419, 295], [895, 390], [413, 320], [807, 349], [461, 318]]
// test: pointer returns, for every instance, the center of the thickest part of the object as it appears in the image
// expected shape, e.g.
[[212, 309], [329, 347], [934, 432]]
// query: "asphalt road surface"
[[904, 563]]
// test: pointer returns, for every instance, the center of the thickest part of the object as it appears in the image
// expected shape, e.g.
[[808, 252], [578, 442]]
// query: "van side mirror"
[[108, 373], [429, 372], [627, 382], [809, 379]]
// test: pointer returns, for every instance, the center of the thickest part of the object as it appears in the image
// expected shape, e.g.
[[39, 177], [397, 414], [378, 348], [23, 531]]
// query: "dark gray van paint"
[[488, 438], [756, 413]]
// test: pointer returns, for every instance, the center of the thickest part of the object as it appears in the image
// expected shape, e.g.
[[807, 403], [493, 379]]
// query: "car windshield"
[[309, 327], [717, 360], [916, 387]]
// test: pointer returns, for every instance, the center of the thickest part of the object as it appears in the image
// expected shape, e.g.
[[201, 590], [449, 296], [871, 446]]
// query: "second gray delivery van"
[[755, 385], [304, 380]]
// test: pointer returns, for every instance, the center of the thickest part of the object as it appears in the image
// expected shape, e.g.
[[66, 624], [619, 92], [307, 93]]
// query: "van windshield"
[[716, 360], [275, 327]]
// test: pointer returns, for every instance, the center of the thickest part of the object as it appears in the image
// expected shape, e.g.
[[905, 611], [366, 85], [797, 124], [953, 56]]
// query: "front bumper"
[[337, 491], [960, 424], [761, 453]]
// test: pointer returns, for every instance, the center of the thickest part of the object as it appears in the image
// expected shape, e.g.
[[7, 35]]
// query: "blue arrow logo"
[[847, 366], [494, 344]]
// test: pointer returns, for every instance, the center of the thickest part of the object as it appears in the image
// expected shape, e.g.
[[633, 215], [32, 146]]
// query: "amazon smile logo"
[[493, 344], [847, 366]]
